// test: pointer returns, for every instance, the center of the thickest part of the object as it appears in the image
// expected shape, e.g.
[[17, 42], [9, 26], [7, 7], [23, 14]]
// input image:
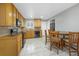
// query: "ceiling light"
[[31, 16], [41, 17]]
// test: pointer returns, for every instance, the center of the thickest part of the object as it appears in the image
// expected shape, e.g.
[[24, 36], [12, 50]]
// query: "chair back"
[[73, 37], [53, 35]]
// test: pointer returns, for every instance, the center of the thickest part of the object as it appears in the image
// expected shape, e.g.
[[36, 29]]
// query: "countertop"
[[8, 35]]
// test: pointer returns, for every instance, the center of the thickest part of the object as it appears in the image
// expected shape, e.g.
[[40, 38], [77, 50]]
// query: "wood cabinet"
[[22, 21], [2, 14], [37, 23], [29, 34], [20, 18], [8, 14], [10, 45], [17, 13], [19, 43], [14, 15]]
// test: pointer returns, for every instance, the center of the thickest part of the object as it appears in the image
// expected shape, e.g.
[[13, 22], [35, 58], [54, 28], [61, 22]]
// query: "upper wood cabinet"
[[14, 15], [22, 21], [8, 14], [2, 14], [17, 14], [37, 22]]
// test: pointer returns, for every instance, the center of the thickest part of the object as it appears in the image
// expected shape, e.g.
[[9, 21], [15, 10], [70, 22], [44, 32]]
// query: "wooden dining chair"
[[54, 40], [73, 42]]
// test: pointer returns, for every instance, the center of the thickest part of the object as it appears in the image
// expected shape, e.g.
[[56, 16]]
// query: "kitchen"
[[22, 26], [13, 31]]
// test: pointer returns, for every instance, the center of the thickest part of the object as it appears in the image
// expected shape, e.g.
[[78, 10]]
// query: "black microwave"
[[18, 22]]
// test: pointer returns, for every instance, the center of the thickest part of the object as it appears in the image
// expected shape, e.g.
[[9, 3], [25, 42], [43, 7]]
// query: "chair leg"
[[46, 41], [69, 51], [77, 49], [58, 48], [50, 46], [77, 53]]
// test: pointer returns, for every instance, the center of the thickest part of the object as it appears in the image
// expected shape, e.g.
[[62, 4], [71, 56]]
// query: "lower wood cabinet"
[[29, 34], [19, 43], [10, 45]]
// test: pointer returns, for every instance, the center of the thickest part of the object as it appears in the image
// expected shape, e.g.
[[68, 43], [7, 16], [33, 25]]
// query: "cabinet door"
[[22, 21], [19, 42], [20, 18], [2, 14], [28, 35], [7, 46], [9, 14], [18, 46], [32, 34], [37, 23], [14, 15], [17, 14]]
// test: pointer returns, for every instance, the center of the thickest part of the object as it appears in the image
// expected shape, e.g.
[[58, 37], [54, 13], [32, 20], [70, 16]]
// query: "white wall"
[[48, 25], [68, 20], [43, 27]]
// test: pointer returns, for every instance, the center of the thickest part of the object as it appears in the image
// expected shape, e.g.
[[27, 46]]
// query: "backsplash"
[[4, 31]]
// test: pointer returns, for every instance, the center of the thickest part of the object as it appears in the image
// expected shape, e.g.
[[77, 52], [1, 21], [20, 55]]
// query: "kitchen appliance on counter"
[[14, 31]]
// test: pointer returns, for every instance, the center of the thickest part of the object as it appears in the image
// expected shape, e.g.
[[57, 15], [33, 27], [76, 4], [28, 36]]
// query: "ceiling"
[[42, 10]]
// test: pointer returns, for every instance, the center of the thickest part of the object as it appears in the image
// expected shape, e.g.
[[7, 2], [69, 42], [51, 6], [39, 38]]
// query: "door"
[[52, 24]]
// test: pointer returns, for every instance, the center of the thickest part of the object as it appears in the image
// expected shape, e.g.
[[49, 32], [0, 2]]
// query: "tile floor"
[[37, 47]]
